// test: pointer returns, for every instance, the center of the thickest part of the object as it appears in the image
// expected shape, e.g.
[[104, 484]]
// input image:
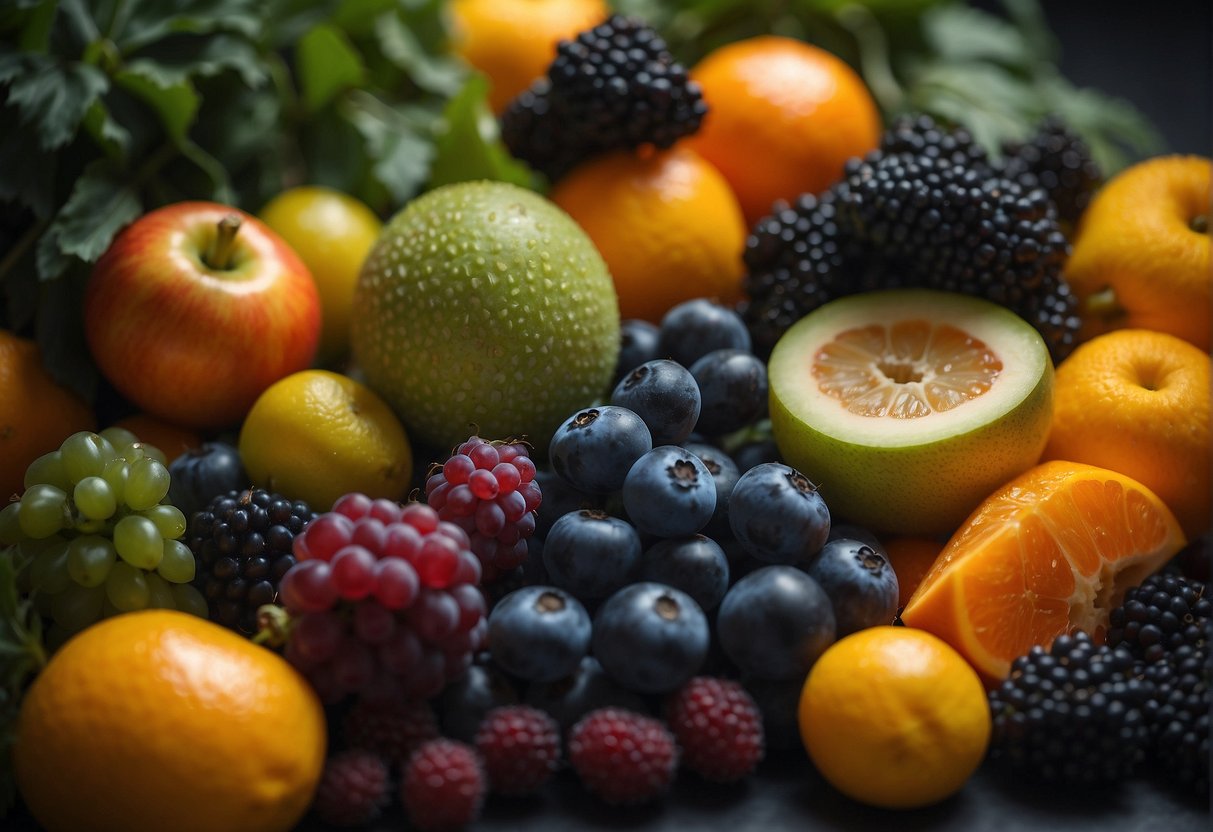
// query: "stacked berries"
[[384, 600], [488, 490]]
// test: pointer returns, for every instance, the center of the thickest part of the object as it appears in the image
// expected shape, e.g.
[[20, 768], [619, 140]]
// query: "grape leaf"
[[107, 133], [441, 75], [53, 97], [102, 202], [152, 20], [179, 58], [174, 101], [468, 144], [327, 64], [396, 140]]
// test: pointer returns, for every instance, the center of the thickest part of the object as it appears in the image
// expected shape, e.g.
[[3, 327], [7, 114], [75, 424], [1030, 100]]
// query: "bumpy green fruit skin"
[[485, 308]]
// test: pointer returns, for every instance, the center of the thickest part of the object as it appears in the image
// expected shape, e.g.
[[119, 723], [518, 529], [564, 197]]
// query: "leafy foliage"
[[21, 655]]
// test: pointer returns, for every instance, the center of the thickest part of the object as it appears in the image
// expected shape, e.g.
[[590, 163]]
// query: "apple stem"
[[220, 254]]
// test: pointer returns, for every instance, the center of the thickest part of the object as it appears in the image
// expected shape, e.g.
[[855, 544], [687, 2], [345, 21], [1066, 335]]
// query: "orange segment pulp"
[[1050, 552]]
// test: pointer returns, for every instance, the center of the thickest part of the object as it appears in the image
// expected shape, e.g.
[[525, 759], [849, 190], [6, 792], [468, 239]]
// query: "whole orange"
[[1138, 402], [666, 224], [36, 412], [1143, 257], [513, 41], [160, 720], [783, 118], [173, 440]]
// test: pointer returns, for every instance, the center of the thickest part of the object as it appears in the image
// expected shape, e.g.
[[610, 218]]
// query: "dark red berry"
[[521, 748], [622, 756], [353, 789], [718, 727], [393, 730], [443, 786]]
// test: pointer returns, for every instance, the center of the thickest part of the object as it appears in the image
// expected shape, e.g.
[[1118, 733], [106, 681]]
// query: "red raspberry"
[[623, 756], [521, 748], [353, 789], [718, 726], [443, 786], [392, 730]]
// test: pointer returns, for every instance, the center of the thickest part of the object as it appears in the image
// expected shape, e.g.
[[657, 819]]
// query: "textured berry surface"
[[520, 746], [1058, 160], [669, 492], [443, 786], [391, 730], [623, 757], [1159, 616], [539, 633], [650, 637], [1180, 723], [778, 514], [353, 790], [718, 727]]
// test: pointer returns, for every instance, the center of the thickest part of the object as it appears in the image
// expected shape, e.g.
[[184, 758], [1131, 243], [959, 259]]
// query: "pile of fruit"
[[757, 418]]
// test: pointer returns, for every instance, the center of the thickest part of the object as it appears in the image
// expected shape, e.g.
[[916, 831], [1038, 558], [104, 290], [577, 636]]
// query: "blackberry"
[[613, 87], [1075, 712], [921, 135], [1181, 722], [1059, 161], [243, 545], [1162, 614]]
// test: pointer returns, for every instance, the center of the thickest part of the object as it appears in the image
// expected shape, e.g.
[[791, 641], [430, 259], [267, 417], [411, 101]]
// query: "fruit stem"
[[1200, 224], [1104, 306], [219, 256]]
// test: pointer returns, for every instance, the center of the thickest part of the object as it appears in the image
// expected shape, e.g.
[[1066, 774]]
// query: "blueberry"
[[650, 638], [663, 394], [201, 474], [669, 492], [733, 390], [696, 565], [637, 344], [695, 328], [465, 700], [749, 455], [539, 633], [775, 622], [559, 498], [725, 474], [594, 448], [860, 583], [851, 532], [779, 514], [587, 689], [590, 553]]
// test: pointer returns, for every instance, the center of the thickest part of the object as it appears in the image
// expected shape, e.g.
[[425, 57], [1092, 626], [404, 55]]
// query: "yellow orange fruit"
[[1138, 402], [36, 412], [513, 41], [160, 720], [894, 717], [172, 440], [783, 118], [317, 435], [1143, 257], [1050, 552], [332, 233], [666, 224]]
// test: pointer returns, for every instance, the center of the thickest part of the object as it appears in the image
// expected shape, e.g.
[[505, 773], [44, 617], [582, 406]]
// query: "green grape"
[[48, 571], [147, 484], [43, 511], [115, 474], [83, 526], [95, 498], [138, 542], [189, 599], [48, 470], [84, 455], [126, 587], [142, 450], [120, 438], [77, 606], [10, 525], [89, 559], [160, 593], [168, 519], [177, 566]]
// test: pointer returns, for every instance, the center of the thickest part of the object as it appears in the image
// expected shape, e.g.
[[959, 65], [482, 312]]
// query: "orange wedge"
[[1050, 552]]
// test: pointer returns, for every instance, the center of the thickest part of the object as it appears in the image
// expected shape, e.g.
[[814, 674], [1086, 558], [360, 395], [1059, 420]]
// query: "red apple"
[[195, 309]]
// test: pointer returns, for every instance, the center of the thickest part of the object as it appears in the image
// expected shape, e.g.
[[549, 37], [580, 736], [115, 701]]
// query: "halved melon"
[[908, 407]]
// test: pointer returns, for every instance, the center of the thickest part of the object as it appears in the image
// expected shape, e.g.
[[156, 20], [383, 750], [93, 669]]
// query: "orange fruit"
[[332, 233], [36, 412], [783, 118], [513, 41], [173, 440], [160, 720], [1050, 552], [1138, 402], [1143, 257], [894, 717], [666, 224], [911, 559]]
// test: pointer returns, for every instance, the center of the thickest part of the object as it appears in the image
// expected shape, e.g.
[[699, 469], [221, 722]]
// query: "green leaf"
[[1117, 133], [148, 22], [1029, 18], [111, 136], [179, 58], [468, 143], [54, 97], [995, 106], [33, 181], [959, 33], [400, 151], [438, 74], [101, 203], [173, 99], [213, 168], [327, 64]]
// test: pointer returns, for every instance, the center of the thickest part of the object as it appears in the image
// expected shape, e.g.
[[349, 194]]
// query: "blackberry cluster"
[[1059, 161], [613, 87], [242, 542], [927, 209], [1163, 614], [1075, 713]]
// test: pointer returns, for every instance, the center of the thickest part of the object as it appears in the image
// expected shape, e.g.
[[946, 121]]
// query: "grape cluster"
[[94, 536], [488, 489], [384, 601]]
